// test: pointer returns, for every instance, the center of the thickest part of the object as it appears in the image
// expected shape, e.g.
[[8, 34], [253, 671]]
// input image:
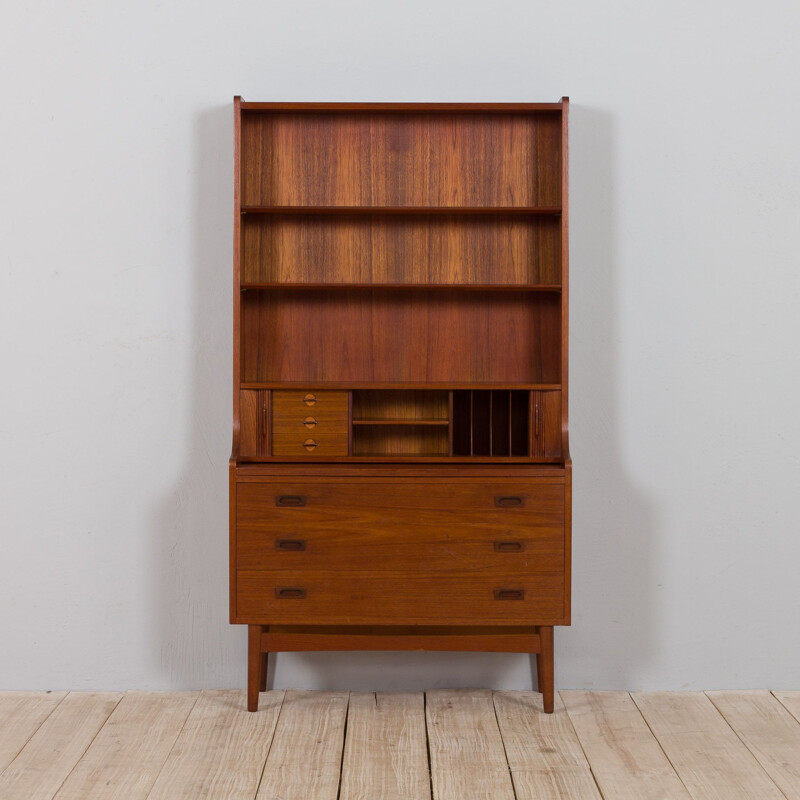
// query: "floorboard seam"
[[505, 751], [271, 742], [747, 746], [427, 741], [344, 743], [25, 743], [661, 747], [86, 749], [791, 713], [580, 744], [153, 785]]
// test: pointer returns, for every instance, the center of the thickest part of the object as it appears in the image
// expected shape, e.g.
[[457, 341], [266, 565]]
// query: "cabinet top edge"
[[406, 107]]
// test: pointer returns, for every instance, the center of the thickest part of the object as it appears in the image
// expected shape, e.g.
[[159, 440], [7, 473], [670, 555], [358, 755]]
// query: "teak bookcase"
[[400, 476]]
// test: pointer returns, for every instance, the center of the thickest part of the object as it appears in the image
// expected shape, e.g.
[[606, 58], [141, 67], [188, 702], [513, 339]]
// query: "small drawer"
[[309, 423]]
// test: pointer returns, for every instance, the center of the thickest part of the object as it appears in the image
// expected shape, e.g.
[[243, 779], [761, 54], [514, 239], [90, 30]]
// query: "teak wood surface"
[[400, 475]]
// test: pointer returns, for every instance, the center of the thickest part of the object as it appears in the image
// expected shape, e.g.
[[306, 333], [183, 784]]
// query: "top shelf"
[[467, 108], [531, 211]]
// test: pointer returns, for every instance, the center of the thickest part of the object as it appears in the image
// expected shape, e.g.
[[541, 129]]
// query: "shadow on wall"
[[614, 535], [193, 645]]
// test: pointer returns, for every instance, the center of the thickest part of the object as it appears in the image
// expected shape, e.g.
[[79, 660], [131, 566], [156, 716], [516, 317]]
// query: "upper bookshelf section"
[[501, 158]]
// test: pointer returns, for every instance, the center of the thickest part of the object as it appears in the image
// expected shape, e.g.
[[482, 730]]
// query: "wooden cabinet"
[[400, 476]]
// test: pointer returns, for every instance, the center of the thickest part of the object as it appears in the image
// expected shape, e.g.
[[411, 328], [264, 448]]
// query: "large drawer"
[[294, 505], [416, 598], [402, 545]]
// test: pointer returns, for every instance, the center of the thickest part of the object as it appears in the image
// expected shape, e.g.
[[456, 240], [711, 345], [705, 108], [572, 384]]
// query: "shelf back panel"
[[407, 441], [385, 159], [401, 336], [382, 404], [415, 249]]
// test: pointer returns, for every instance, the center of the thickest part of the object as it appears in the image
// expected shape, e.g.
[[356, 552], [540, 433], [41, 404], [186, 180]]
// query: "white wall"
[[115, 323]]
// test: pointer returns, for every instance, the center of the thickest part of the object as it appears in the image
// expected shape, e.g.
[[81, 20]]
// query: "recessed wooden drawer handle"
[[310, 399], [290, 544], [508, 501], [509, 547], [309, 422], [310, 445], [290, 593], [509, 594], [290, 500]]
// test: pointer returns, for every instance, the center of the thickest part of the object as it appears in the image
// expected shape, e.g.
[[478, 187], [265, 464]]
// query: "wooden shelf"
[[530, 211], [401, 422], [403, 459], [473, 287], [345, 385]]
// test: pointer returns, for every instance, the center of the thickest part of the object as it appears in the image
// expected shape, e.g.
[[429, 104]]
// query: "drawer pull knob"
[[310, 399], [309, 422], [310, 445], [290, 500], [508, 501], [509, 594], [508, 547], [290, 544], [290, 593]]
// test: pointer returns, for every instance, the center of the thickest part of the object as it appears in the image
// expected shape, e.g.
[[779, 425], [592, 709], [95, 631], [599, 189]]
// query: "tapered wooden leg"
[[253, 666], [545, 668], [262, 684]]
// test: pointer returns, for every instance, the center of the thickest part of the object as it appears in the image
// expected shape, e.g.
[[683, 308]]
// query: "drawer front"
[[414, 551], [457, 546], [309, 423], [359, 598], [376, 503]]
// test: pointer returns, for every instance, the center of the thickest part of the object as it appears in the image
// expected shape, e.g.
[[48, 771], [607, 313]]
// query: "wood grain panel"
[[545, 424], [52, 752], [417, 336], [357, 597], [385, 753], [543, 752], [21, 713], [627, 760], [306, 754], [384, 159], [709, 757], [466, 749], [221, 750], [253, 429], [417, 249]]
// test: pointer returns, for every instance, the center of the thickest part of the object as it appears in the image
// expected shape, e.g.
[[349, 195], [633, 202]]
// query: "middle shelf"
[[469, 287]]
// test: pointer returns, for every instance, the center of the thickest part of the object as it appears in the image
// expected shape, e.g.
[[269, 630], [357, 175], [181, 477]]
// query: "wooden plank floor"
[[460, 744]]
